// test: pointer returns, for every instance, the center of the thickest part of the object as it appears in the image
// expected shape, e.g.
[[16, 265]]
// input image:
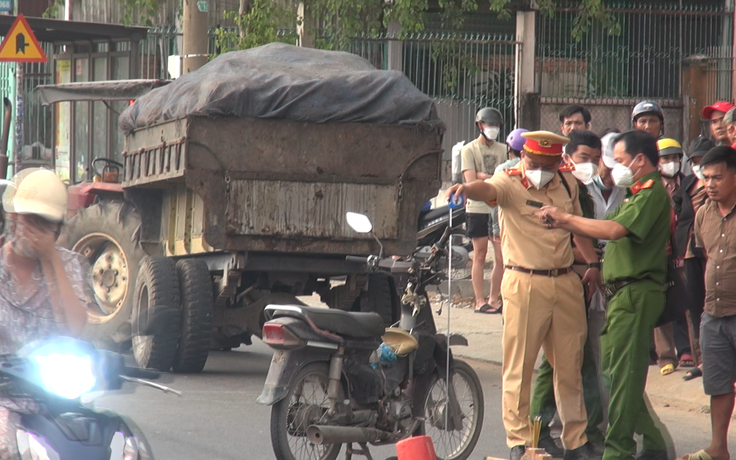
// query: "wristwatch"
[[595, 265]]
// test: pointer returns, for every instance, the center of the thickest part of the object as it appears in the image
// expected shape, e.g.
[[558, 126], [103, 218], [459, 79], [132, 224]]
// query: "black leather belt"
[[549, 273], [610, 289]]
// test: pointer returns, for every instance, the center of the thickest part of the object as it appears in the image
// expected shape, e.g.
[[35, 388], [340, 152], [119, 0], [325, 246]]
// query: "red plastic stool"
[[416, 448]]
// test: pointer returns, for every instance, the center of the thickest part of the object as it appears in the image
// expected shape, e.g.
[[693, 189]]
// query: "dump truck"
[[233, 194]]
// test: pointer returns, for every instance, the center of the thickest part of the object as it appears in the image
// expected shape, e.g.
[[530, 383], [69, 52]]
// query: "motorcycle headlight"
[[33, 447], [65, 375]]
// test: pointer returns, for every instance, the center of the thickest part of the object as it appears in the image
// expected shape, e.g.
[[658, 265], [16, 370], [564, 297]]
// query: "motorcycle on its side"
[[343, 378], [47, 380]]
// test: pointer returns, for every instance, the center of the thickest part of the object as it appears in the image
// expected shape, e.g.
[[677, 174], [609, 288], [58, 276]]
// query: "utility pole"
[[196, 22]]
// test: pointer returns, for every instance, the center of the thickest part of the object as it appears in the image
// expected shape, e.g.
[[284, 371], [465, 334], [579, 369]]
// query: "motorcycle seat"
[[428, 216], [343, 323]]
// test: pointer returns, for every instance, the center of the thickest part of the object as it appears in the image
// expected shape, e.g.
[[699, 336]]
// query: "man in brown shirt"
[[543, 297], [715, 232]]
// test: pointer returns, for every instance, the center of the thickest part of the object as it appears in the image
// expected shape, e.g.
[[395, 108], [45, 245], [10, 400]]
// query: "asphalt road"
[[217, 417]]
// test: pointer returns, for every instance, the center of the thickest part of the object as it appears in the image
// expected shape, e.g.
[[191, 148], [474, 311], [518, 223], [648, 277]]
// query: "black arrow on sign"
[[20, 44]]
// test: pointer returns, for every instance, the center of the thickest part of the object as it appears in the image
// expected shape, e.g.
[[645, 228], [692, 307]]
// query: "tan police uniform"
[[542, 296]]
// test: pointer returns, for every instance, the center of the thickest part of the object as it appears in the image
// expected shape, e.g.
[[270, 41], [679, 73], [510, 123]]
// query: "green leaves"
[[257, 26]]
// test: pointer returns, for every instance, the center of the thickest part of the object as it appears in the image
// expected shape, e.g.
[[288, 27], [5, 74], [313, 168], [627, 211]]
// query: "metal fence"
[[646, 60], [461, 72]]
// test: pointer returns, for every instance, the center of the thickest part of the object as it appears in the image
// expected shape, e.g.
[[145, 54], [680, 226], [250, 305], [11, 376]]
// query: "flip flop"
[[693, 373], [667, 369], [687, 360], [699, 455], [488, 310]]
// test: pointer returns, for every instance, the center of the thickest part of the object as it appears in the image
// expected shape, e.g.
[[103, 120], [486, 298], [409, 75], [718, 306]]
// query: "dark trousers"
[[695, 277]]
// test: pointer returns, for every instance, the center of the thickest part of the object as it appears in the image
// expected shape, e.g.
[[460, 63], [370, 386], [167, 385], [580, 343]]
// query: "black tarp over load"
[[284, 81]]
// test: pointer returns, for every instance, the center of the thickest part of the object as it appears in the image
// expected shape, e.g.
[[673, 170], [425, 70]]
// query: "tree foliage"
[[257, 24]]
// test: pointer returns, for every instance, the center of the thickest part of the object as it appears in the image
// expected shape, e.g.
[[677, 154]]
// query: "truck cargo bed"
[[285, 186]]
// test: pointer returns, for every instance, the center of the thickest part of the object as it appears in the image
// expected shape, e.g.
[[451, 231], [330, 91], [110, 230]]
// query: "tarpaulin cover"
[[284, 81]]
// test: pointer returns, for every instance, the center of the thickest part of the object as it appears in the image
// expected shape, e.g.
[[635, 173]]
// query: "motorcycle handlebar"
[[356, 259]]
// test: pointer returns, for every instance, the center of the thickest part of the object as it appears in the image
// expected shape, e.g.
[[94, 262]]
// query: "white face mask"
[[670, 169], [584, 172], [539, 178], [622, 175], [491, 132], [698, 171]]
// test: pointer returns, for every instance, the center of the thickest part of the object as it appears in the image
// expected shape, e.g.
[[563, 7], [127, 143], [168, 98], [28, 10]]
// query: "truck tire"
[[157, 286], [196, 315], [106, 234], [378, 298]]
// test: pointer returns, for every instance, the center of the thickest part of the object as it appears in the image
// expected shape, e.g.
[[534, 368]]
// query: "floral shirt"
[[26, 314]]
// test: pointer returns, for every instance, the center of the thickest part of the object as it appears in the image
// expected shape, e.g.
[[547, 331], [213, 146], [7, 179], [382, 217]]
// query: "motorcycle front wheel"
[[305, 404], [432, 406]]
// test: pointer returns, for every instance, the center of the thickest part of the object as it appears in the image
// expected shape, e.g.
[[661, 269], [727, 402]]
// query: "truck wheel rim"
[[142, 344], [110, 272]]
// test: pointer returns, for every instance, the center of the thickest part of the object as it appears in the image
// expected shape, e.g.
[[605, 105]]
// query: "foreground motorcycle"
[[52, 376], [343, 378]]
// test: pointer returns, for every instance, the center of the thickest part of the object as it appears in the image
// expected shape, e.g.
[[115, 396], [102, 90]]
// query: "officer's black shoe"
[[584, 452], [517, 452], [551, 447], [652, 455]]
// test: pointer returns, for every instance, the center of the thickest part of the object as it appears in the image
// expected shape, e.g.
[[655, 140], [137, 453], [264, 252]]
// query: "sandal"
[[693, 373], [488, 310], [667, 369], [699, 455], [686, 360]]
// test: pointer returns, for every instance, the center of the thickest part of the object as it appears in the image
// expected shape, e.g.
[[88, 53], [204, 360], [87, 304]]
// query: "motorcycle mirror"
[[359, 222]]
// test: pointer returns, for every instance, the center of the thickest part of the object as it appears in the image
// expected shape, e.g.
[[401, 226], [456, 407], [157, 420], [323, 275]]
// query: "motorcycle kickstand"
[[362, 451]]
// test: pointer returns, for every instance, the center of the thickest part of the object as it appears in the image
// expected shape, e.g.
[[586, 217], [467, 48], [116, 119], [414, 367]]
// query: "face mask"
[[670, 169], [698, 171], [599, 183], [623, 176], [539, 178], [491, 133], [584, 172]]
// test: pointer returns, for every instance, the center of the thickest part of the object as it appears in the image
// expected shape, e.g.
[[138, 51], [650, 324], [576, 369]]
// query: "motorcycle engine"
[[400, 411]]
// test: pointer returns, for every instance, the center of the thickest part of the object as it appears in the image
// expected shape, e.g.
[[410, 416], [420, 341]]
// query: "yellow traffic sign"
[[20, 44]]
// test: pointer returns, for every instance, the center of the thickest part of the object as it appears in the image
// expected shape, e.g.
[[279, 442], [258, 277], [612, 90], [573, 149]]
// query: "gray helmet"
[[646, 107], [489, 115]]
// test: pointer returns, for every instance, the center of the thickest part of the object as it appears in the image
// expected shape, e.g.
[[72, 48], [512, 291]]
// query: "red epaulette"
[[567, 167], [638, 187], [513, 171]]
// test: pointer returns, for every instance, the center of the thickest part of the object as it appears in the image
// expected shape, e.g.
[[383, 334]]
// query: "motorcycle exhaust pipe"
[[321, 434]]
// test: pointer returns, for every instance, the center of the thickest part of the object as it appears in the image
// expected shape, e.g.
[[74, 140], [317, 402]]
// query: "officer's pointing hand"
[[552, 217]]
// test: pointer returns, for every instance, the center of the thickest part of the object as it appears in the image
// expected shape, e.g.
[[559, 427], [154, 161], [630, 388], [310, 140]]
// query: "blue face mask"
[[599, 183]]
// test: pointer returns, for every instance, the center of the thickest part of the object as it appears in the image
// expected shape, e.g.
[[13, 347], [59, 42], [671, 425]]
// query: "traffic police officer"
[[635, 271], [543, 297]]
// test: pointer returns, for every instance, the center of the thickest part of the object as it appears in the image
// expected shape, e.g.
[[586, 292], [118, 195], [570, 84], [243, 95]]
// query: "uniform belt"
[[610, 289], [549, 273]]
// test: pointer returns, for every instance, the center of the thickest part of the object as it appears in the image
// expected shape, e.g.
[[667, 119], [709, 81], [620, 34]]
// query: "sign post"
[[20, 46]]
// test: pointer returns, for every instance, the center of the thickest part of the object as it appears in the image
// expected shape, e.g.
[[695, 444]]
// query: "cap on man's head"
[[699, 147], [669, 147], [607, 142], [544, 143], [720, 106]]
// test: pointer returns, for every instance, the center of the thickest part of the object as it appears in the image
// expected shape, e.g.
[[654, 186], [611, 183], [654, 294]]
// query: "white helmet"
[[41, 193], [12, 187]]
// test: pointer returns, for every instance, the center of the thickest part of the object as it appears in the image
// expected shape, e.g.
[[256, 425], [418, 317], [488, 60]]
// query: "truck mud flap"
[[284, 366]]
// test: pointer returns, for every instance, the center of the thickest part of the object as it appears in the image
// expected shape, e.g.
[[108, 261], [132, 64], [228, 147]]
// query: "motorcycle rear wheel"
[[431, 404], [288, 436]]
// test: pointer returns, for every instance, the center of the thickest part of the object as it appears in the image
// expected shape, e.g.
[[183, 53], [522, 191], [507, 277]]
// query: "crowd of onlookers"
[[697, 329]]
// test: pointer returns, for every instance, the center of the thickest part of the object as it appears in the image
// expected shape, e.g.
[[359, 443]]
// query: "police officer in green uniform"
[[634, 270]]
